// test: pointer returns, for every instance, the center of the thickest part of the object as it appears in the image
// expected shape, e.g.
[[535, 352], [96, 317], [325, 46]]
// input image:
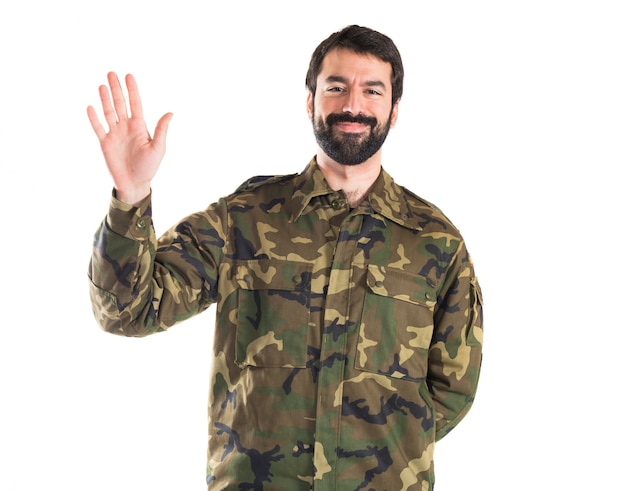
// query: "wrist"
[[132, 196]]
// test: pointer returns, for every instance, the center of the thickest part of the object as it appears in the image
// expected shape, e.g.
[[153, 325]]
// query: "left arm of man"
[[455, 354]]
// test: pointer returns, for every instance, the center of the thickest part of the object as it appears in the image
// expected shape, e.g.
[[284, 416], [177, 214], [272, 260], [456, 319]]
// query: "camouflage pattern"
[[346, 343]]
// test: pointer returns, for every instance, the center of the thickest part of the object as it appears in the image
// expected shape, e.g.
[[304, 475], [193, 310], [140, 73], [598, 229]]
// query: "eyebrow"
[[344, 80]]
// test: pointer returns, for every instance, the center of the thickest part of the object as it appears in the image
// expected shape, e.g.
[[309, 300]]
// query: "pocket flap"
[[401, 285]]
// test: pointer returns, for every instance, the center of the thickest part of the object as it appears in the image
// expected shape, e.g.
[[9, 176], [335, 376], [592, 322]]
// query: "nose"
[[352, 103]]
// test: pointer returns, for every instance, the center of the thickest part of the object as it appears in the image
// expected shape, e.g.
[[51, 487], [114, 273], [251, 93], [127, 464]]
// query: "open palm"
[[131, 154]]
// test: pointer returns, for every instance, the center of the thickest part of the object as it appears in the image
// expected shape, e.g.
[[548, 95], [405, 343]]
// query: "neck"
[[354, 180]]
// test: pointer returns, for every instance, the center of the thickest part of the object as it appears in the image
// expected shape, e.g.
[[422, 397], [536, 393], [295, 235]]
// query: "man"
[[349, 319]]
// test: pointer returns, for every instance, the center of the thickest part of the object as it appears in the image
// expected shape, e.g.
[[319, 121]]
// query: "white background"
[[513, 122]]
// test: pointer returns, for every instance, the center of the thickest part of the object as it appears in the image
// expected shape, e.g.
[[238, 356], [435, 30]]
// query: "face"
[[352, 109]]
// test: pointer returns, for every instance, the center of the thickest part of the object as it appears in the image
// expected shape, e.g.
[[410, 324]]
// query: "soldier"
[[348, 335]]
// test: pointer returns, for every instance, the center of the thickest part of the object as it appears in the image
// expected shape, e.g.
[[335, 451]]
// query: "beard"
[[349, 148]]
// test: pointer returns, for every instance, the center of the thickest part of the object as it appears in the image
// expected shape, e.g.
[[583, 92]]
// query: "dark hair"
[[362, 40]]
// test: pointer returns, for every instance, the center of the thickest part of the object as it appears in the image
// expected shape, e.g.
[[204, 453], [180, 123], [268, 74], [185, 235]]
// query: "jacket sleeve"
[[139, 285], [456, 350]]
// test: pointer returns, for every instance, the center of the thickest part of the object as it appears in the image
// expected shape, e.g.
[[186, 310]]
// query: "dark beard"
[[349, 148]]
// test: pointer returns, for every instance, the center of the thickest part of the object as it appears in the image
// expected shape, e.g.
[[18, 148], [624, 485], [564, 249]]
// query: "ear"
[[309, 104], [394, 113]]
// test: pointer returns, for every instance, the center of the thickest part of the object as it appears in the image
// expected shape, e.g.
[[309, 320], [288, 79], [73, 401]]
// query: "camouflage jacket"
[[346, 341]]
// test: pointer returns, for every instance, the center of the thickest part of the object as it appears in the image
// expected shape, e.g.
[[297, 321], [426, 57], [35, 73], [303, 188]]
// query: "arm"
[[139, 285], [456, 352]]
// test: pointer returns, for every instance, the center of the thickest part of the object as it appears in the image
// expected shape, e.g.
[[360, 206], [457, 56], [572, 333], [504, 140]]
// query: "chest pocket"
[[272, 314], [396, 324]]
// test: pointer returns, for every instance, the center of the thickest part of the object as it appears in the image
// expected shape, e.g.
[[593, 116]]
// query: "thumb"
[[160, 132]]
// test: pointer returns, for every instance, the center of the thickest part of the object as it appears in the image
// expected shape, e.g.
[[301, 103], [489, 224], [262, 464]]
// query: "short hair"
[[362, 40]]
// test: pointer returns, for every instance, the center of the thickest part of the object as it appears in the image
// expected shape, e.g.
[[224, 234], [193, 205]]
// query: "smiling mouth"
[[350, 127]]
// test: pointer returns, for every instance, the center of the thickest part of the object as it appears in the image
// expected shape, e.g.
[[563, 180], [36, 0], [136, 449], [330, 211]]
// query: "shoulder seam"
[[258, 181]]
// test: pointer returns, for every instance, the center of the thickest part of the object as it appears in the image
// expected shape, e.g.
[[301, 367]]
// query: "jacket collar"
[[385, 198]]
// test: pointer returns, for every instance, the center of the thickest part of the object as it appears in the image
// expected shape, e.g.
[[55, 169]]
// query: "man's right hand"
[[131, 154]]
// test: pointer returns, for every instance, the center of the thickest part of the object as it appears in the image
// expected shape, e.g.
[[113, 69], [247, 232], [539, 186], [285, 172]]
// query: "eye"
[[335, 89], [373, 92]]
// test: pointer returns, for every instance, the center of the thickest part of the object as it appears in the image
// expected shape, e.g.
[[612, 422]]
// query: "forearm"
[[456, 354], [121, 262]]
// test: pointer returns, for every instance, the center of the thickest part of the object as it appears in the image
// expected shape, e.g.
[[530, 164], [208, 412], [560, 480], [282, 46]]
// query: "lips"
[[349, 127]]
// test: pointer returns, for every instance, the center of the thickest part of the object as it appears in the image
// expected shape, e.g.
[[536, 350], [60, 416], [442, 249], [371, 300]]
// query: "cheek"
[[325, 106]]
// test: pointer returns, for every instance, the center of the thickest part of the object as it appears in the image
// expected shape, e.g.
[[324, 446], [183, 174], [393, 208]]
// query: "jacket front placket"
[[333, 353]]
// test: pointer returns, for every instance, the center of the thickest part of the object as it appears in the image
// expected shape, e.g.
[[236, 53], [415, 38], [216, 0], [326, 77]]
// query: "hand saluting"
[[131, 154]]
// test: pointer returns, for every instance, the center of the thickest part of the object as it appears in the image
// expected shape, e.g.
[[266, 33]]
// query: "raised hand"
[[131, 154]]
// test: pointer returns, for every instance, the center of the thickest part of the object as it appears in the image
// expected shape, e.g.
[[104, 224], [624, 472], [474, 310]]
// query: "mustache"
[[332, 119]]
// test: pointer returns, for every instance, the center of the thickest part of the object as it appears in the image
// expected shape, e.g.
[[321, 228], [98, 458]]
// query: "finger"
[[109, 112], [119, 102], [134, 100], [95, 123], [160, 132]]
